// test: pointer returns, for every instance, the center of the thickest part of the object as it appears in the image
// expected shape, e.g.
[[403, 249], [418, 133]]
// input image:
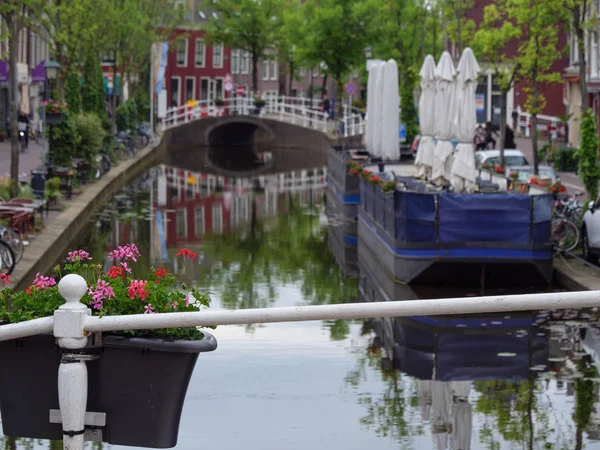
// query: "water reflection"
[[526, 380]]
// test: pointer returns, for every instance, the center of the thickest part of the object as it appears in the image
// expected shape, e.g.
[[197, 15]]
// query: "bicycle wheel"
[[145, 140], [7, 258], [565, 235], [14, 241]]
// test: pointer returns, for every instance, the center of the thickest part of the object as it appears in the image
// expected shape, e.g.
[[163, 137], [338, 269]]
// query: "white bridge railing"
[[72, 324], [294, 110]]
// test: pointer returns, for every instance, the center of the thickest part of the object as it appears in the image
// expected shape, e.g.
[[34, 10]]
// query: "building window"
[[219, 88], [199, 221], [190, 87], [181, 223], [235, 61], [302, 72], [200, 53], [266, 64], [245, 62], [594, 57], [217, 218], [182, 49], [315, 72], [218, 56], [175, 91], [273, 69], [204, 83]]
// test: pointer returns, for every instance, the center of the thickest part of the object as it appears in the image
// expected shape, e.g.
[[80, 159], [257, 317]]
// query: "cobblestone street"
[[29, 159]]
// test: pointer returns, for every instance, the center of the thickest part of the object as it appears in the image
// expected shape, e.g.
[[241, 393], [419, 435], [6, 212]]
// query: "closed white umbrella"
[[424, 159], [444, 114], [465, 123], [390, 107], [441, 413], [369, 132], [462, 425], [377, 114]]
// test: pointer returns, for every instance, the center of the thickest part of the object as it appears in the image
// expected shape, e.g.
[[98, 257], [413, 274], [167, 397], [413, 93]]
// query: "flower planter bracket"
[[93, 422]]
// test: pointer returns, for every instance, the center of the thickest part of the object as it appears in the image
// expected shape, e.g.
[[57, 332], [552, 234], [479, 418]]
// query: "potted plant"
[[374, 194], [515, 184], [364, 175], [219, 102], [259, 104], [54, 111], [52, 192], [557, 188], [140, 378]]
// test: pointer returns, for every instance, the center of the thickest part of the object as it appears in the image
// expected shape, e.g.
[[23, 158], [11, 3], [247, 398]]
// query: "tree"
[[247, 25], [93, 94], [407, 103], [289, 39], [73, 92], [538, 20], [492, 41], [337, 32], [458, 28], [583, 19], [15, 16], [589, 170]]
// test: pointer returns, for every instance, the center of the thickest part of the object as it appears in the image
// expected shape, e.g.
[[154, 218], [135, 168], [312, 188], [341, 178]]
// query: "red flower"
[[553, 189], [116, 272], [161, 273], [29, 290], [185, 253], [563, 189]]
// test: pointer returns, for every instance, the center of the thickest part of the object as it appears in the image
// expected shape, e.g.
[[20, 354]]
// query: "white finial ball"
[[72, 287]]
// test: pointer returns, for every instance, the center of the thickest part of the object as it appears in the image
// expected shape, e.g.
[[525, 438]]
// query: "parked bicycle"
[[14, 241], [565, 223], [7, 258]]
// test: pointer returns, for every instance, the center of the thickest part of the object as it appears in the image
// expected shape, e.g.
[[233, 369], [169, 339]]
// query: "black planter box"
[[53, 118], [139, 383]]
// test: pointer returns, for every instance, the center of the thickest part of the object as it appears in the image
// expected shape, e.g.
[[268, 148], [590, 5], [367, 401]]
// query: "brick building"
[[488, 90]]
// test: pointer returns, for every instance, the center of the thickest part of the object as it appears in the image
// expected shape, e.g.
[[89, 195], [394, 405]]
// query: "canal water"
[[510, 381]]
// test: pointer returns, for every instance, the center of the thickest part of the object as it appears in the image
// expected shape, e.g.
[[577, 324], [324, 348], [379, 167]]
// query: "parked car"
[[526, 172], [590, 232], [512, 157]]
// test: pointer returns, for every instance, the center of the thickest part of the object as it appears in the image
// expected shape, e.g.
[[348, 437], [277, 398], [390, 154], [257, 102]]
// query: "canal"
[[526, 381]]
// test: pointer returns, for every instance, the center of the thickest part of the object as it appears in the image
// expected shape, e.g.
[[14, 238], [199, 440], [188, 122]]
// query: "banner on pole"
[[159, 64]]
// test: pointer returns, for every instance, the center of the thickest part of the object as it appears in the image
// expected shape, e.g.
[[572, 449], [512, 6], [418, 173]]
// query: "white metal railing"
[[295, 110], [551, 124], [72, 323]]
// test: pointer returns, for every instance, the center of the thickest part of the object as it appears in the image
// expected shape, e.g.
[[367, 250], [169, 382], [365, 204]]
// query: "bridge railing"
[[293, 110], [71, 324], [352, 124]]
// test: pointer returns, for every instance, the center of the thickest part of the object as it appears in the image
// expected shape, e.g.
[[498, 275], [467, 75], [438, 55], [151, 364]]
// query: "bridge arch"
[[237, 131]]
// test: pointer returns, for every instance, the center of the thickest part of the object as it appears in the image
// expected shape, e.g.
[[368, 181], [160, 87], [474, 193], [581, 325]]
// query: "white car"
[[590, 232], [512, 157]]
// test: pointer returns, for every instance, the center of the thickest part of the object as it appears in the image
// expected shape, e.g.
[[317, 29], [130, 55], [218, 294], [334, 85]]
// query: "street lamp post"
[[52, 69]]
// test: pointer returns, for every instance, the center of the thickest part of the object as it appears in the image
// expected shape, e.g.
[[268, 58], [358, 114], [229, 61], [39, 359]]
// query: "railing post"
[[527, 126], [281, 107], [69, 325]]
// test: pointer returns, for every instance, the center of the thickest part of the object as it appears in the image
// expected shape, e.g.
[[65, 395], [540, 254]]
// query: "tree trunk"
[[324, 86], [113, 97], [13, 24], [582, 68], [534, 143], [502, 133], [291, 86], [339, 88], [255, 72]]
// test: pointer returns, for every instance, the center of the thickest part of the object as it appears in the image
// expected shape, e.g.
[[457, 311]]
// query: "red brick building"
[[488, 89]]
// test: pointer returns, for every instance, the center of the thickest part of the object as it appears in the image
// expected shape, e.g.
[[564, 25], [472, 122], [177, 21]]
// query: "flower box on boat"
[[139, 383]]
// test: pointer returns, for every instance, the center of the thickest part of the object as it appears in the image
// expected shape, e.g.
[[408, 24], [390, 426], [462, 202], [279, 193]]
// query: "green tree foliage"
[[290, 39], [127, 115], [336, 34], [90, 136], [247, 25], [458, 28], [538, 20], [492, 40], [589, 170], [73, 92], [93, 93], [64, 141], [407, 104]]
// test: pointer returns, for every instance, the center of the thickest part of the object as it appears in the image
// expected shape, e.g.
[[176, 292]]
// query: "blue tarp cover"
[[484, 218], [415, 217]]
